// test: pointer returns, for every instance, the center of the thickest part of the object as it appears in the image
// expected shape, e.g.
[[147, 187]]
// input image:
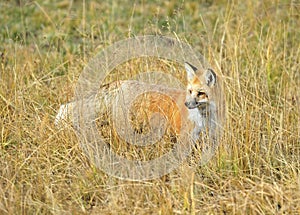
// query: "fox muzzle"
[[194, 104]]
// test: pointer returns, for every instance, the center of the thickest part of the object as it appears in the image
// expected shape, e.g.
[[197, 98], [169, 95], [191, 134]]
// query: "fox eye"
[[190, 91], [201, 93]]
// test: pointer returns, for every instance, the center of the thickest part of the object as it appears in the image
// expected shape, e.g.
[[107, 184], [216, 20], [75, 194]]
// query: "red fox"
[[197, 104]]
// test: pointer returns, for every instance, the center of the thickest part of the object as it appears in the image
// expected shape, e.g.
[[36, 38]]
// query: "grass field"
[[254, 45]]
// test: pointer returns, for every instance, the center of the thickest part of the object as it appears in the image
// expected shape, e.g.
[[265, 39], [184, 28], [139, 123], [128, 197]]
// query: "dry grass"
[[253, 44]]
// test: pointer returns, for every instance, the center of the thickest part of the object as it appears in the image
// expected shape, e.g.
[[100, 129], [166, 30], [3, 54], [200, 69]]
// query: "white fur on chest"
[[196, 117], [202, 120]]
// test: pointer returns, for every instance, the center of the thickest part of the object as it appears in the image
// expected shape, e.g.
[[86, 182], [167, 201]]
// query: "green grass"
[[253, 45]]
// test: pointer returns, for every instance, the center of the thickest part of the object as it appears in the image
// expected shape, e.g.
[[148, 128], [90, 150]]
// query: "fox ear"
[[190, 71], [210, 77]]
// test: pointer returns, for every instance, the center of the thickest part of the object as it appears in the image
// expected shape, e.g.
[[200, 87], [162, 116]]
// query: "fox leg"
[[196, 134]]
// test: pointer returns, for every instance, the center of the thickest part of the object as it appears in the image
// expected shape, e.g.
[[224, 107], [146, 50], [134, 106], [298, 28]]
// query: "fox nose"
[[191, 105], [195, 104]]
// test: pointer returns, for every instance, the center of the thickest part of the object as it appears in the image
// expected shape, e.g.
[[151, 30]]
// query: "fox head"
[[199, 87]]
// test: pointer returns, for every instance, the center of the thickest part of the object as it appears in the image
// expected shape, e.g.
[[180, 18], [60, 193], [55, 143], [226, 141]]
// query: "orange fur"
[[171, 108]]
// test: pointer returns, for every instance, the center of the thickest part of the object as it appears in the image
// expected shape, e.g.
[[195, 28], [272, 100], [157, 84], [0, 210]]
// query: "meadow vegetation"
[[253, 45]]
